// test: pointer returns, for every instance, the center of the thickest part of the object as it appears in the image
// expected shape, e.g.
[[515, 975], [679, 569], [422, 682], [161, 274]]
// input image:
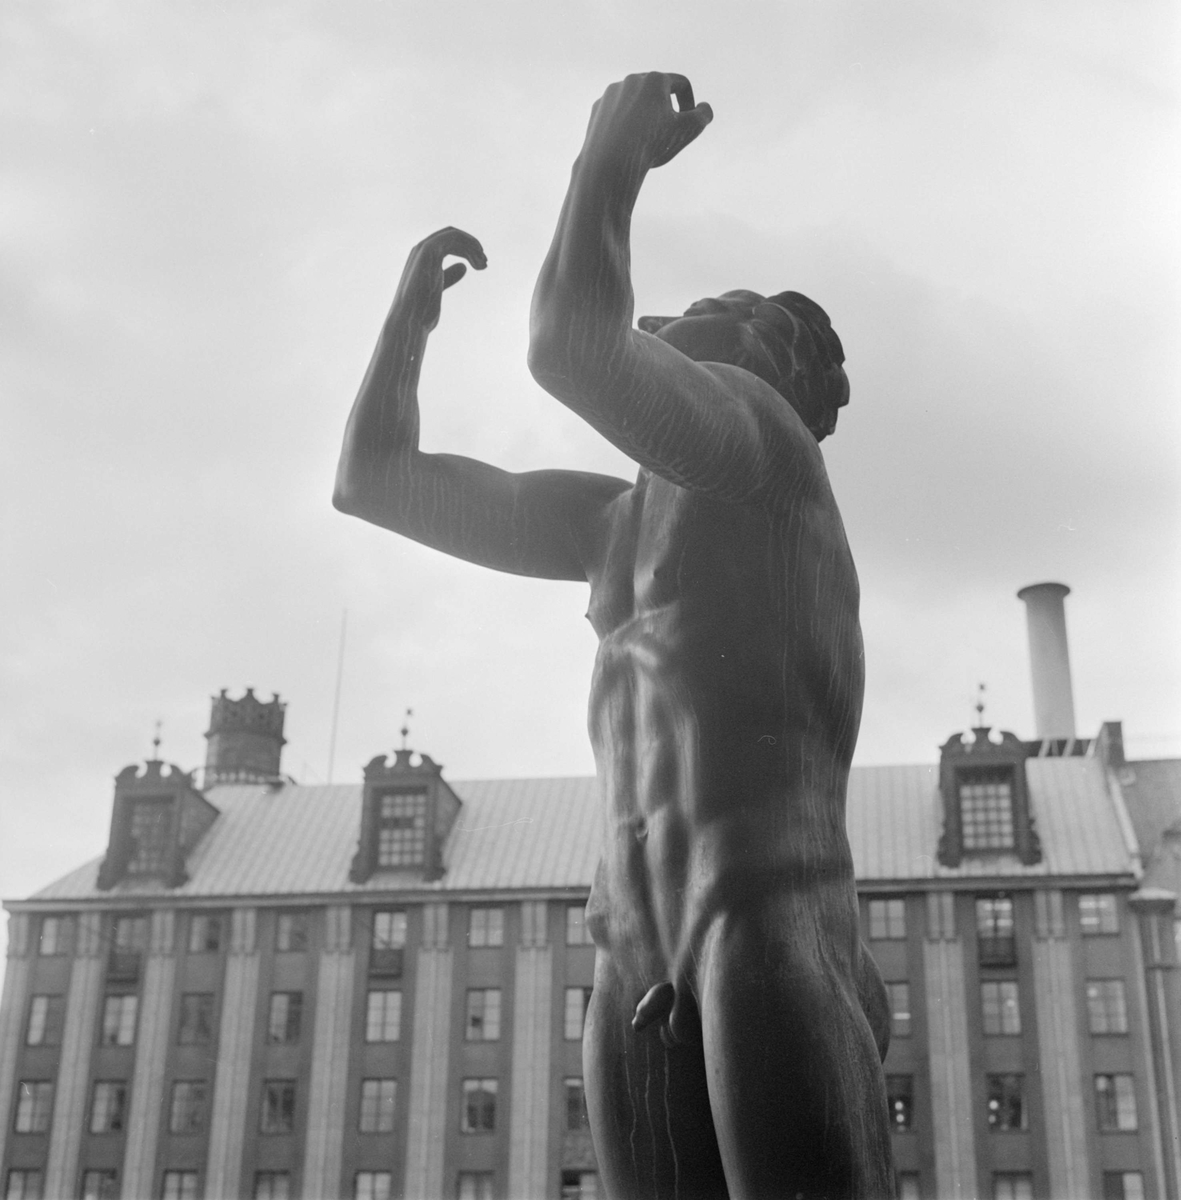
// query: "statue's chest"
[[665, 545]]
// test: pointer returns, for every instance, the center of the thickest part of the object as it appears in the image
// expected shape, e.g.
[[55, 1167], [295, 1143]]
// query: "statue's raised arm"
[[539, 523], [701, 403]]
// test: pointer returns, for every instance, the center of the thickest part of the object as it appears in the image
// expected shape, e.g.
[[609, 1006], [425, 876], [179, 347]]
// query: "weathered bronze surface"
[[733, 1042]]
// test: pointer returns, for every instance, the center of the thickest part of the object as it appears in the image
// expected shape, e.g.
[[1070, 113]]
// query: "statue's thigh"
[[648, 1104]]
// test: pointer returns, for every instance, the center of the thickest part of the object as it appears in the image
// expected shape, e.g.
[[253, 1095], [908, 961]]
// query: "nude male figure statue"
[[733, 1040]]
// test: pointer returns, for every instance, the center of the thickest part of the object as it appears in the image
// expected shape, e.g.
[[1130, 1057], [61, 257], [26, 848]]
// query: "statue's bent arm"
[[707, 426], [540, 523]]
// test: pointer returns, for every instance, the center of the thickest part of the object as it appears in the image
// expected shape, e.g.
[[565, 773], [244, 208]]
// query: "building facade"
[[377, 990]]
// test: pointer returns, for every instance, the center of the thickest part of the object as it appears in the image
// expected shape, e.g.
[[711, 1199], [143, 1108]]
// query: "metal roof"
[[544, 834]]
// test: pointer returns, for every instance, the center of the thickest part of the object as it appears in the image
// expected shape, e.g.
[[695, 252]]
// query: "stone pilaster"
[[78, 1033], [1059, 1063], [529, 1119], [229, 1119], [330, 1058], [151, 1057], [427, 1125], [947, 1032], [12, 1014]]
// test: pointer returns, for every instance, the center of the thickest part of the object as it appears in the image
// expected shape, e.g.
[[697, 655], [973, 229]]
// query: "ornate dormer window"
[[986, 809], [407, 810], [157, 818]]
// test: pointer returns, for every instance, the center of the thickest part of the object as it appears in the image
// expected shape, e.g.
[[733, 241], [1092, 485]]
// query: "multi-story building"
[[377, 990]]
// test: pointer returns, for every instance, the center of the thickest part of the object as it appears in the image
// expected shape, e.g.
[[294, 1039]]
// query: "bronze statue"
[[733, 1040]]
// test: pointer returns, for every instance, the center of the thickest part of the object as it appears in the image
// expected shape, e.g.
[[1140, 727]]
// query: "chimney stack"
[[245, 739], [1049, 659]]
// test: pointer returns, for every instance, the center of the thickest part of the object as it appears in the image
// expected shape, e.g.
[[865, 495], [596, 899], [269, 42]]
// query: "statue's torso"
[[725, 702]]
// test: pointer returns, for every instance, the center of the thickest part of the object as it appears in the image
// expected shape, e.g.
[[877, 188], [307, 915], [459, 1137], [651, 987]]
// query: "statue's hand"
[[420, 292], [636, 117]]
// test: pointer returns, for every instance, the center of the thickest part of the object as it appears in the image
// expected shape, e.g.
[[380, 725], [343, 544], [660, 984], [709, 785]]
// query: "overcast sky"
[[204, 210]]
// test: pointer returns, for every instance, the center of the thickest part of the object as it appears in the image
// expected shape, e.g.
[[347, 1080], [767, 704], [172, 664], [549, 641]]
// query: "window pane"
[[45, 1021], [1107, 1010], [180, 1185], [576, 931], [52, 939], [188, 1107], [908, 1186], [131, 933], [1006, 1102], [900, 1098], [389, 929], [286, 1017], [1115, 1103], [576, 1116], [986, 810], [580, 1185], [887, 919], [1001, 1010], [475, 1185], [1097, 913], [401, 830], [483, 1015], [899, 997], [372, 1185], [278, 1106], [577, 999], [24, 1185], [118, 1028], [204, 934], [383, 1017], [196, 1019], [1012, 1186], [478, 1111], [34, 1103], [99, 1185], [292, 932], [486, 927], [108, 1107], [377, 1105], [272, 1185], [150, 820]]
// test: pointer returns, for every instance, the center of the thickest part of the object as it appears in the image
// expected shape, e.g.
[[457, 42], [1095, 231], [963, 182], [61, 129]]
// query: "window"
[[576, 1117], [576, 930], [131, 934], [908, 1186], [204, 934], [401, 829], [377, 1105], [580, 1185], [108, 1111], [45, 1021], [1006, 1102], [986, 808], [475, 1185], [272, 1185], [180, 1185], [150, 820], [483, 1015], [898, 995], [486, 928], [196, 1019], [119, 1020], [996, 942], [23, 1185], [900, 1100], [278, 1106], [291, 933], [478, 1112], [53, 936], [1107, 1009], [1097, 913], [383, 1017], [372, 1185], [1012, 1185], [577, 998], [1123, 1185], [999, 1006], [34, 1102], [389, 929], [1115, 1103], [187, 1114], [283, 1022], [887, 919], [99, 1185]]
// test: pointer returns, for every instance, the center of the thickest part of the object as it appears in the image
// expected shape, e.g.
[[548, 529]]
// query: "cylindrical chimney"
[[1049, 659]]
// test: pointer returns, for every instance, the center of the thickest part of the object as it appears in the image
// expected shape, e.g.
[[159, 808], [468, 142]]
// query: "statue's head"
[[786, 340]]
